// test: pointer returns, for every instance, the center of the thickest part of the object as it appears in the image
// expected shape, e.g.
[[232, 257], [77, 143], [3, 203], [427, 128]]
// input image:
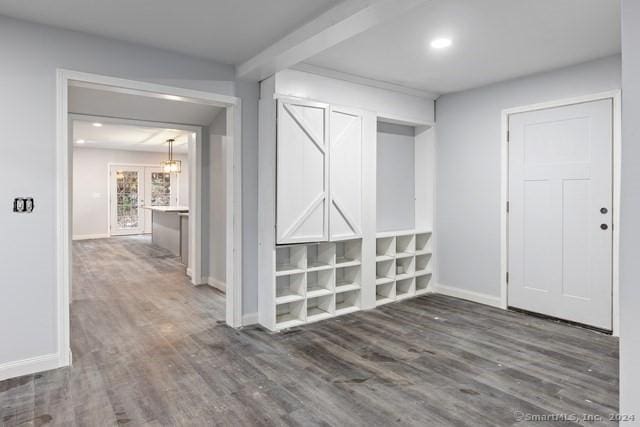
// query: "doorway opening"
[[137, 194]]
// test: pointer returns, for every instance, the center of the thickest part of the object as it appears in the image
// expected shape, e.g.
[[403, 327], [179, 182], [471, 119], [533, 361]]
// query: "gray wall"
[[31, 54], [217, 200], [630, 213], [469, 171], [395, 181], [91, 184]]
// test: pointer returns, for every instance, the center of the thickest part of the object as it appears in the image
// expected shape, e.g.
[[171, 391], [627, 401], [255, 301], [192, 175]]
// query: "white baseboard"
[[90, 236], [249, 319], [465, 294], [29, 366], [218, 284]]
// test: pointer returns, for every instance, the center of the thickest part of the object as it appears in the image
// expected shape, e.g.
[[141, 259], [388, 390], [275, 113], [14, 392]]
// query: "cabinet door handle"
[[604, 226]]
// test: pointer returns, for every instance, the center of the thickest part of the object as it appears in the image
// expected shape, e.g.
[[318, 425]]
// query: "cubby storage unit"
[[290, 259], [319, 308], [290, 288], [316, 281], [422, 283], [319, 283], [290, 314], [347, 302], [403, 265]]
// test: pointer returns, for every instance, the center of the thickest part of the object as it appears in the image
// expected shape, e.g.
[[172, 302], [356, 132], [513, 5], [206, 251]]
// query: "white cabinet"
[[345, 142], [318, 173], [302, 172]]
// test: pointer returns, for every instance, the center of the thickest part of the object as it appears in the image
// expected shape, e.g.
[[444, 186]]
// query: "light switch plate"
[[23, 204]]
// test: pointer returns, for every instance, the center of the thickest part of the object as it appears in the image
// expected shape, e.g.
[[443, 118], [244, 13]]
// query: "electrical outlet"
[[23, 204]]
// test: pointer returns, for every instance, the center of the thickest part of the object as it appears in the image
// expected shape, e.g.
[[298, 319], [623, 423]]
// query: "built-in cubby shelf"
[[316, 281], [403, 265]]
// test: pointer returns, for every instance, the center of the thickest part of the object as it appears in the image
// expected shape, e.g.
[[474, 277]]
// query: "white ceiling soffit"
[[343, 21], [116, 136], [227, 31], [97, 102], [493, 40]]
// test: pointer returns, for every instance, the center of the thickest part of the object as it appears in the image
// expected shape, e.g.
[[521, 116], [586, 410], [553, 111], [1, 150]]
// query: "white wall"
[[395, 182], [469, 170], [31, 54], [630, 214], [91, 185]]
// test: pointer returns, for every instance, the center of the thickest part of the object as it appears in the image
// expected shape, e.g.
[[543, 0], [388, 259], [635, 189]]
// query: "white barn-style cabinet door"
[[302, 175], [345, 212]]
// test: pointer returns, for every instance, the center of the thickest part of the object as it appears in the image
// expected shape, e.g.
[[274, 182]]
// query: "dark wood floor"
[[150, 349]]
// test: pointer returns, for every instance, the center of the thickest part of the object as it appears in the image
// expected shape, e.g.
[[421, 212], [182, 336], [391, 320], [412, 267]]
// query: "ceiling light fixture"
[[440, 43], [173, 97], [170, 165], [80, 141], [97, 124]]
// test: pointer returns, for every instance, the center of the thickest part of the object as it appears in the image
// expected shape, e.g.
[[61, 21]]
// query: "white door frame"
[[64, 164], [614, 95]]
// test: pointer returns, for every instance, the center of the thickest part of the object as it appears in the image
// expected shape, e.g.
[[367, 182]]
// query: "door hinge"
[[508, 135], [507, 207], [507, 277]]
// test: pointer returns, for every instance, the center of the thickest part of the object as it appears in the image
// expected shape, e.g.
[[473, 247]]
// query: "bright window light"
[[80, 141], [97, 124]]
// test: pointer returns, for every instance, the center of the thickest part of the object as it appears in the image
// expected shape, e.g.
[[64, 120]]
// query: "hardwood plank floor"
[[150, 349]]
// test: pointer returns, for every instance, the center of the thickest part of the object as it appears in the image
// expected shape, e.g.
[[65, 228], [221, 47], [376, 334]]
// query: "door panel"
[[127, 189], [302, 172], [560, 176], [346, 174], [161, 189]]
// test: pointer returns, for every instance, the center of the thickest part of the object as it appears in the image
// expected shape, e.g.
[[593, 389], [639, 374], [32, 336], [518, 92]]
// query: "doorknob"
[[604, 226]]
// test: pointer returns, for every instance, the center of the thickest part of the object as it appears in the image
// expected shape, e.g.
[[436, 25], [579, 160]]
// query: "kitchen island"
[[165, 227]]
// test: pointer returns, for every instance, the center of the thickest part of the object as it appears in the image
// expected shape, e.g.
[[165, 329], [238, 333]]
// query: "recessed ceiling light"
[[440, 43], [173, 97], [80, 141], [97, 124]]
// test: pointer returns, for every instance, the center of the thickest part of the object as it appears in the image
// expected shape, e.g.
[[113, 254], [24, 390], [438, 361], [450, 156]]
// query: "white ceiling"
[[493, 40], [97, 102], [228, 31], [118, 136]]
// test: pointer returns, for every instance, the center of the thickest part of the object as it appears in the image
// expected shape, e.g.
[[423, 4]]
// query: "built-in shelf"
[[315, 281], [403, 265], [320, 307]]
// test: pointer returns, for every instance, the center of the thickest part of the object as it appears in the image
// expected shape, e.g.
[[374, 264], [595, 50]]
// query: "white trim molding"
[[90, 236], [493, 301], [615, 96], [29, 366]]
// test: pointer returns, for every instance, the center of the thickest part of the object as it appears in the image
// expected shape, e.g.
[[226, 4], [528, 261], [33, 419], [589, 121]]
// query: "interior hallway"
[[149, 348]]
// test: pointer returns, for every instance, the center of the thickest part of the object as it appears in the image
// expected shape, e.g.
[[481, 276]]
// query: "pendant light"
[[171, 166]]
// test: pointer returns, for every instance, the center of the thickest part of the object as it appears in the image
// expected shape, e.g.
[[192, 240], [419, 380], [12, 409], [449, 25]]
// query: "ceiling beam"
[[340, 23]]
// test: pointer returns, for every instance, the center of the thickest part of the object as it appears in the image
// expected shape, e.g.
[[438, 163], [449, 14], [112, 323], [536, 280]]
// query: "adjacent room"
[[320, 212]]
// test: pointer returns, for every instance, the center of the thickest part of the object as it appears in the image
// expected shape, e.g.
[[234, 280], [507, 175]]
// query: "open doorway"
[[118, 132]]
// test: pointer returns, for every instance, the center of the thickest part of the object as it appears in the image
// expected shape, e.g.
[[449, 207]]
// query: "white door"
[[560, 201], [302, 173], [127, 188], [160, 189], [345, 220]]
